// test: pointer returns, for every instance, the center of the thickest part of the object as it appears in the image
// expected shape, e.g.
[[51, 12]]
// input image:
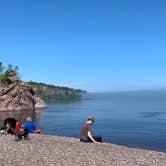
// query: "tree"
[[9, 75], [5, 77], [13, 70], [1, 68]]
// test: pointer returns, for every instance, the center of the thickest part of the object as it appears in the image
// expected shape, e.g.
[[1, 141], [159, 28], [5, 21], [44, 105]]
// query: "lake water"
[[134, 119]]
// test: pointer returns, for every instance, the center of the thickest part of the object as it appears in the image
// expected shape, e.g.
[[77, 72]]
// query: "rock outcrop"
[[19, 95], [56, 93]]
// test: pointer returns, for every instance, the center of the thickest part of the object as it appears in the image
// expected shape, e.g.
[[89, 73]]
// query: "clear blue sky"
[[97, 45]]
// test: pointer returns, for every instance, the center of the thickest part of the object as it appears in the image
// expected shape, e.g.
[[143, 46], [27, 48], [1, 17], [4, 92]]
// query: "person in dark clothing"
[[22, 133], [86, 133], [9, 125]]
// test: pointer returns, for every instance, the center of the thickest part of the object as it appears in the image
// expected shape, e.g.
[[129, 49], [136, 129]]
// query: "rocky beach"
[[44, 150]]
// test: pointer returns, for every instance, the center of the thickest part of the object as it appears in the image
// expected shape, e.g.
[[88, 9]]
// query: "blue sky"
[[97, 45]]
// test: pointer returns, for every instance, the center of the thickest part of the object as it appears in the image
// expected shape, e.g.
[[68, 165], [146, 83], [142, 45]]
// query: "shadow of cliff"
[[21, 115]]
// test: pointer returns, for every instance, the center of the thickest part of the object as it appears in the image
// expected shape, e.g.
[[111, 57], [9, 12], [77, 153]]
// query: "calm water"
[[134, 119]]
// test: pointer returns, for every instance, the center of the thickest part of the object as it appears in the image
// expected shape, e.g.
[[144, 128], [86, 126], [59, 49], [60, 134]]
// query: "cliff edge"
[[19, 95]]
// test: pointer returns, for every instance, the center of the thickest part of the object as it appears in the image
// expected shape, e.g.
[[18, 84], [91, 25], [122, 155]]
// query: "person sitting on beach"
[[86, 134], [20, 132], [30, 126], [17, 127]]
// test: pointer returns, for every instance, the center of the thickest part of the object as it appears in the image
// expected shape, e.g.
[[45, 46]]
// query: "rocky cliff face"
[[19, 95], [57, 93]]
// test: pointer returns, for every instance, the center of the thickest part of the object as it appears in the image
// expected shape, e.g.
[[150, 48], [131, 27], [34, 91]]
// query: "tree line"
[[9, 74], [54, 93]]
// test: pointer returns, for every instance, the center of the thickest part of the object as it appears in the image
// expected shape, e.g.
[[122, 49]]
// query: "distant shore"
[[47, 150]]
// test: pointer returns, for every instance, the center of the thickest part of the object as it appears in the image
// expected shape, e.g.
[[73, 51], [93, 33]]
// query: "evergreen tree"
[[9, 75]]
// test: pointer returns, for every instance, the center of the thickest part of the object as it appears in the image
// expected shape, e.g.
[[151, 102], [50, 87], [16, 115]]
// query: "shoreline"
[[68, 151], [22, 109]]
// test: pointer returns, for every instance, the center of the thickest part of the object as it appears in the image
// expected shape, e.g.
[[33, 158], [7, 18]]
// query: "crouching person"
[[30, 126], [86, 133], [20, 132]]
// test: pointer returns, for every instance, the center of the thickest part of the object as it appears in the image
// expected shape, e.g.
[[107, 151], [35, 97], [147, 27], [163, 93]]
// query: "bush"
[[9, 75]]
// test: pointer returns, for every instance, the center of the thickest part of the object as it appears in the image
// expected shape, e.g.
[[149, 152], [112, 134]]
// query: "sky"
[[95, 45]]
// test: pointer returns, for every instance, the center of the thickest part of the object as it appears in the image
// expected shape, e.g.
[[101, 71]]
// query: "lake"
[[134, 119]]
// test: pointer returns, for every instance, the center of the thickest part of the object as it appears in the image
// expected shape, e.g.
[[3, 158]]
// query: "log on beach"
[[44, 150]]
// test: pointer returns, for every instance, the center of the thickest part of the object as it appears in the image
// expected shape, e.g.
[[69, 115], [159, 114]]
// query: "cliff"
[[19, 95], [56, 93]]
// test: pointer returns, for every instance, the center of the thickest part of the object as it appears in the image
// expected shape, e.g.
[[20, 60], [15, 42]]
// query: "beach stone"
[[44, 150]]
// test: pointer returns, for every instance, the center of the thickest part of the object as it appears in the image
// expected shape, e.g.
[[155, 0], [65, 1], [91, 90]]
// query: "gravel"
[[44, 150]]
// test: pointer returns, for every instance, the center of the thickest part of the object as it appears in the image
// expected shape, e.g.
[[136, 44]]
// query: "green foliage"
[[54, 93], [1, 67], [5, 77], [9, 75], [13, 70], [47, 92]]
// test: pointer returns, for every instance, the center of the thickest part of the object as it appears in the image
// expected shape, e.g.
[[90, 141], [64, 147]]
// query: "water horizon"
[[133, 119]]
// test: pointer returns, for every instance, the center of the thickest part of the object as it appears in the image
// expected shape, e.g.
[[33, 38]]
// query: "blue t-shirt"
[[30, 126]]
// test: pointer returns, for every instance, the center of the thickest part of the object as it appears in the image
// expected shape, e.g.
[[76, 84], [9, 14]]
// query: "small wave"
[[158, 115]]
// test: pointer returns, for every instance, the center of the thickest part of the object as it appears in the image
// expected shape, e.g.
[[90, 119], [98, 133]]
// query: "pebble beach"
[[45, 150]]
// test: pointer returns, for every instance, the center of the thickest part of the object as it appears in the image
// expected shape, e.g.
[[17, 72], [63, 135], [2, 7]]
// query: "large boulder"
[[19, 95], [39, 103]]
